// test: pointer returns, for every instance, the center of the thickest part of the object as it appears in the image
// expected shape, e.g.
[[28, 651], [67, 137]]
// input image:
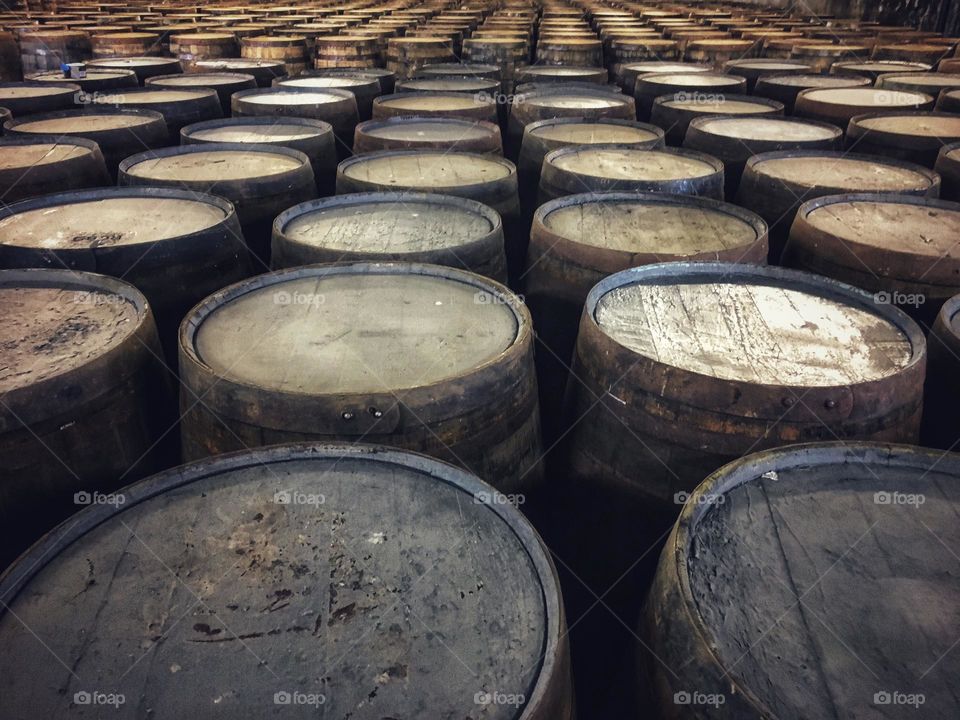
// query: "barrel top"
[[281, 96], [29, 90], [79, 122], [816, 81], [207, 79], [562, 100], [44, 151], [355, 331], [203, 36], [126, 62], [105, 218], [860, 173], [328, 81], [655, 67], [770, 64], [650, 223], [750, 329], [866, 97], [427, 169], [585, 132], [767, 128], [933, 125], [858, 532], [726, 105], [560, 70], [431, 101], [693, 79], [149, 96], [923, 79], [229, 63], [246, 130], [625, 163], [202, 163], [883, 66], [428, 129], [307, 568], [451, 83], [92, 74], [53, 326]]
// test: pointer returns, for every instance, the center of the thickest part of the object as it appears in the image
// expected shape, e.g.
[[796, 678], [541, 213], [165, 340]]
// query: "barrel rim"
[[856, 80], [106, 62], [948, 312], [50, 139], [155, 79], [11, 125], [15, 579], [652, 77], [172, 150], [775, 105], [200, 93], [343, 95], [921, 66], [696, 123], [113, 72], [489, 84], [68, 87], [480, 98], [714, 163], [856, 120], [807, 92], [441, 153], [365, 126], [363, 80], [740, 62], [931, 176], [321, 126], [657, 131]]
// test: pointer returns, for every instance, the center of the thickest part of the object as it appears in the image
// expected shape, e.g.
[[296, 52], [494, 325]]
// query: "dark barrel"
[[948, 167], [85, 397], [941, 422], [143, 67], [561, 74], [785, 88], [95, 79], [36, 164], [29, 98], [225, 84], [263, 71], [423, 357], [683, 84], [876, 69], [176, 246], [675, 112], [916, 136], [406, 132], [436, 104], [300, 586], [931, 83], [791, 587], [392, 226], [838, 105], [179, 107], [626, 75], [754, 68], [365, 88]]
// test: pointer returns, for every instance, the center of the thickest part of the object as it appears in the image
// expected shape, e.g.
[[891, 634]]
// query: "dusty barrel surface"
[[179, 107], [142, 67], [684, 85], [457, 382], [734, 140], [492, 595], [754, 68], [429, 133], [870, 652], [291, 50], [877, 68], [176, 246], [95, 79], [948, 167], [30, 98], [263, 71], [436, 104], [626, 75], [392, 226], [450, 83], [364, 87], [562, 74], [675, 112], [593, 168], [43, 49], [188, 48], [84, 396], [34, 164], [914, 136], [118, 133], [125, 44], [225, 84], [941, 425], [931, 83], [314, 138], [775, 184], [785, 88], [838, 105], [260, 180]]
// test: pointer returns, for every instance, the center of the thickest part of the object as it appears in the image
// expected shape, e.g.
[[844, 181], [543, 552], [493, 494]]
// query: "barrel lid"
[[128, 62], [206, 79], [816, 81], [928, 82], [719, 104], [655, 67], [352, 329], [582, 99], [56, 76], [19, 90], [432, 101], [108, 217], [78, 122], [151, 96], [846, 551], [766, 128], [292, 96], [194, 36], [561, 70], [213, 163], [428, 129], [857, 173], [426, 169], [629, 163], [581, 131], [30, 151], [449, 83], [757, 325], [880, 66], [692, 79], [866, 97], [239, 63], [328, 81], [770, 64], [264, 129], [315, 591], [918, 124]]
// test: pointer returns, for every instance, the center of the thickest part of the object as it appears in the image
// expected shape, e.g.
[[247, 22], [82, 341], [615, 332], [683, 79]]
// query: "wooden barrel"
[[734, 140], [931, 83], [450, 83], [36, 164], [785, 88], [291, 50], [430, 133], [626, 75], [755, 68], [948, 167], [484, 178], [125, 44], [941, 425], [43, 49], [95, 80], [345, 51], [877, 68], [775, 184], [649, 87], [337, 107], [437, 104], [406, 55], [622, 168], [913, 136], [338, 505], [191, 47], [263, 71], [839, 105], [821, 56], [260, 180], [176, 246], [866, 646], [562, 74], [912, 52], [719, 51], [119, 133], [314, 138], [674, 112], [390, 226], [586, 52], [225, 84], [578, 240], [179, 107], [85, 397], [475, 405], [461, 68], [949, 101], [899, 247], [142, 67], [11, 68], [364, 87], [637, 48], [31, 98]]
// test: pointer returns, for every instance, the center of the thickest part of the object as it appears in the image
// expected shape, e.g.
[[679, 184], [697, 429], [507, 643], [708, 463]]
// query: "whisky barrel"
[[299, 519], [36, 164], [337, 107], [461, 68], [901, 248], [878, 516], [755, 68], [119, 133], [30, 98], [43, 49], [176, 246], [913, 136], [720, 50], [263, 71], [125, 44], [877, 68], [941, 425], [410, 133], [436, 104], [912, 52], [627, 48], [291, 50], [225, 84], [365, 88], [931, 83], [626, 75], [578, 240], [562, 74], [622, 168], [179, 107], [949, 101], [11, 68], [734, 140], [314, 138], [386, 78], [585, 52], [785, 88], [142, 67], [260, 180], [775, 184], [675, 112], [191, 47], [839, 105], [95, 80], [84, 397], [345, 51], [649, 87], [821, 56], [457, 382], [406, 55], [392, 226], [948, 167]]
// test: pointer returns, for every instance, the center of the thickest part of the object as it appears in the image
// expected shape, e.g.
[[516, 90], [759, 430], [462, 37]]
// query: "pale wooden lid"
[[627, 164], [214, 165]]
